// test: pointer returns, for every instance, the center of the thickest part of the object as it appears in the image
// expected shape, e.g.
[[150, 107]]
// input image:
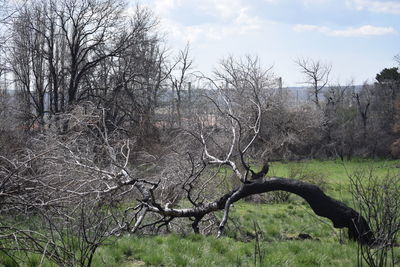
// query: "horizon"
[[357, 37]]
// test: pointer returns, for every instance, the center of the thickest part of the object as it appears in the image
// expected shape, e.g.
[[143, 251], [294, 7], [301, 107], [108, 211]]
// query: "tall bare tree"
[[180, 82], [316, 74], [68, 52], [4, 16], [341, 121]]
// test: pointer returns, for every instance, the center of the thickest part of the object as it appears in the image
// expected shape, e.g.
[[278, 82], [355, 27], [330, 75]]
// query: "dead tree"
[[184, 65], [363, 100], [316, 75]]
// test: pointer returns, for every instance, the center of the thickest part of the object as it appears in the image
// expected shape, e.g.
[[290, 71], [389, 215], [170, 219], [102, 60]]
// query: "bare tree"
[[130, 83], [245, 77], [180, 83], [316, 75], [87, 26], [57, 43], [341, 117], [363, 101], [3, 38], [378, 200], [68, 52]]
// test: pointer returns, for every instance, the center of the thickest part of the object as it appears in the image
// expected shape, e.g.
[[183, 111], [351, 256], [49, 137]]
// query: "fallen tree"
[[341, 215]]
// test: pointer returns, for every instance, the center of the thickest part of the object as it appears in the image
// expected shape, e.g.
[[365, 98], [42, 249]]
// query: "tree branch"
[[341, 215]]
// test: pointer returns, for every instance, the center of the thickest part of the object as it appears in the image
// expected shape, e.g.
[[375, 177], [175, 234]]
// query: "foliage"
[[388, 75]]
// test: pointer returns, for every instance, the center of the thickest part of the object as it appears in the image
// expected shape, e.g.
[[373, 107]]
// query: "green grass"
[[335, 172], [279, 221], [276, 225], [196, 250], [173, 250]]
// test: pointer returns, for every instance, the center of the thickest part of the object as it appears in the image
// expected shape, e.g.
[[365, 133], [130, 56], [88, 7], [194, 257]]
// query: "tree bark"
[[322, 205]]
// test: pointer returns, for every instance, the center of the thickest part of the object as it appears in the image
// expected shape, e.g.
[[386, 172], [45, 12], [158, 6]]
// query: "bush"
[[378, 201]]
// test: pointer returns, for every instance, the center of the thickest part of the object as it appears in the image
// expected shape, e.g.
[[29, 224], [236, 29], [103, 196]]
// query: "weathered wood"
[[341, 215]]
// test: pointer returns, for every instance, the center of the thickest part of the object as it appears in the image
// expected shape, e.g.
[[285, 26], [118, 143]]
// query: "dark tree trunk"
[[323, 205]]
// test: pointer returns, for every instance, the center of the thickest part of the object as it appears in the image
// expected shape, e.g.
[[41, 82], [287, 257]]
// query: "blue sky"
[[358, 37]]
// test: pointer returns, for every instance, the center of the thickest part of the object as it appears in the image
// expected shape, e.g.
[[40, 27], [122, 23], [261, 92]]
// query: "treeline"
[[58, 55], [349, 121]]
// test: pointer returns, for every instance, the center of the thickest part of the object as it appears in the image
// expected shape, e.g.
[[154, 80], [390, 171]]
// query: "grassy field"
[[282, 234], [276, 226]]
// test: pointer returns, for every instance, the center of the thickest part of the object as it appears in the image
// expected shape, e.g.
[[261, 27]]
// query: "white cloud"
[[310, 28], [272, 1], [308, 3], [225, 9], [164, 6], [366, 30], [198, 32], [232, 17], [207, 32], [390, 7], [314, 2], [247, 22]]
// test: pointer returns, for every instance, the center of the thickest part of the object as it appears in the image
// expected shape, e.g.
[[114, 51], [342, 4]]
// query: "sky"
[[357, 37]]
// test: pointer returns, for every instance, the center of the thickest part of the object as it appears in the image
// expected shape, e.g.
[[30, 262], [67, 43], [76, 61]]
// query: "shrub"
[[378, 201]]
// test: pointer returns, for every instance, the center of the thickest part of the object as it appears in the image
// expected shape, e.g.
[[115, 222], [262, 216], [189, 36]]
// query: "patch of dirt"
[[134, 263]]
